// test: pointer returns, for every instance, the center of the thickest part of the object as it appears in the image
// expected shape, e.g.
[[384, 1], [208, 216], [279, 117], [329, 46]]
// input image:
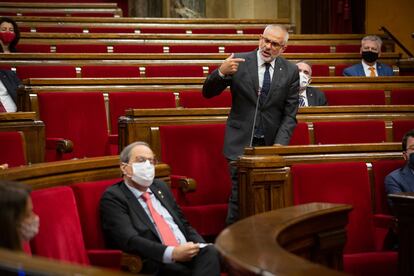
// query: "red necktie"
[[165, 231], [2, 109]]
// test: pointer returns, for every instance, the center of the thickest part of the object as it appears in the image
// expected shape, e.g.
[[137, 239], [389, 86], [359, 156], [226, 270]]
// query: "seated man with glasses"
[[264, 88], [369, 67], [140, 216]]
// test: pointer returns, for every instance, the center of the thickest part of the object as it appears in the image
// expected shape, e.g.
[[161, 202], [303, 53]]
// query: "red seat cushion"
[[111, 30], [400, 127], [194, 99], [307, 49], [174, 71], [320, 70], [110, 71], [146, 30], [214, 31], [239, 48], [60, 235], [402, 96], [45, 71], [194, 49], [120, 101], [300, 135], [349, 132], [138, 48], [355, 97], [59, 29], [33, 48], [13, 151], [348, 48], [371, 263], [81, 48]]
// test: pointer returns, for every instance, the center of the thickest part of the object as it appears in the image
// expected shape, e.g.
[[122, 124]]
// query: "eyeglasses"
[[142, 159], [275, 45]]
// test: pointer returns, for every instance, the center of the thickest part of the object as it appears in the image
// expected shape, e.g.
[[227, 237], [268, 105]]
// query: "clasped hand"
[[185, 252]]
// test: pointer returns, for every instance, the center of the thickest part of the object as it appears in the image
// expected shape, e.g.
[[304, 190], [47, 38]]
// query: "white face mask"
[[143, 173], [29, 228], [304, 80]]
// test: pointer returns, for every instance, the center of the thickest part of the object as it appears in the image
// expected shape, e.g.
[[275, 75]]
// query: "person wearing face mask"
[[9, 35], [139, 215], [369, 67], [18, 222], [402, 180], [264, 88], [308, 96]]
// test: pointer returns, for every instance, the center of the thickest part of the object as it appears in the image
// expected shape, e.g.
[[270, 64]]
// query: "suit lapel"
[[310, 96], [252, 70], [137, 208], [361, 71]]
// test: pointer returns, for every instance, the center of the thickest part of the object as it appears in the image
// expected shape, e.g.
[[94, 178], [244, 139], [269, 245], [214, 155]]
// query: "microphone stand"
[[255, 115]]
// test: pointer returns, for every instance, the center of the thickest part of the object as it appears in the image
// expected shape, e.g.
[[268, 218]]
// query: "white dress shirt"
[[6, 99], [262, 69], [367, 71]]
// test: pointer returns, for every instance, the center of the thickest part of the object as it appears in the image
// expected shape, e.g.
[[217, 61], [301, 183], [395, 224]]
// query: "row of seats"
[[174, 48], [136, 71]]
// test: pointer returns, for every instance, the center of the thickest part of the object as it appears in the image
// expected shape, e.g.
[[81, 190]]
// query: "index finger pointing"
[[238, 60]]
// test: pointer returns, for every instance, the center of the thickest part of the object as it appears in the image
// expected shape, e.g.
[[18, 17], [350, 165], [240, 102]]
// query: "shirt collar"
[[366, 66], [137, 193]]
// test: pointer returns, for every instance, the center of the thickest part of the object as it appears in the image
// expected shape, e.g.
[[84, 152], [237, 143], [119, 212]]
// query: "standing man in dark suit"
[[369, 67], [9, 83], [264, 88], [308, 96], [139, 215], [402, 180]]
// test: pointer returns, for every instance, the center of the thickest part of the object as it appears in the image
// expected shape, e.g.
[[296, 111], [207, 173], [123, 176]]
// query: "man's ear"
[[122, 166]]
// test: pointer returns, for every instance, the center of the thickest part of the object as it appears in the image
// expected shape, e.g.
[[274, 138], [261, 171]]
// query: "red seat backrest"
[[79, 117], [300, 135], [194, 49], [400, 128], [320, 70], [214, 31], [111, 30], [33, 48], [239, 48], [81, 48], [339, 69], [59, 29], [110, 71], [194, 99], [355, 97], [146, 30], [196, 151], [12, 145], [402, 96], [60, 235], [88, 196], [174, 71], [120, 101], [253, 30], [147, 48], [45, 71], [348, 48], [307, 49], [349, 132], [380, 170], [346, 183]]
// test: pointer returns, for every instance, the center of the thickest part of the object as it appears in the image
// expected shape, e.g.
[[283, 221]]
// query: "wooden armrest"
[[184, 183], [131, 263], [59, 144]]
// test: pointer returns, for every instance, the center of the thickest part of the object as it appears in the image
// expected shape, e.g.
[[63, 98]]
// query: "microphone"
[[255, 115]]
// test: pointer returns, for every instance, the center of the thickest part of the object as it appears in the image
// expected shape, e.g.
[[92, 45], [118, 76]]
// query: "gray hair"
[[125, 154], [307, 63], [374, 38], [280, 27]]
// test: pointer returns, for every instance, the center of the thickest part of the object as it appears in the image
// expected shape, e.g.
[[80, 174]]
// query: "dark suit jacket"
[[11, 82], [278, 113], [315, 97], [126, 225], [358, 70], [400, 180]]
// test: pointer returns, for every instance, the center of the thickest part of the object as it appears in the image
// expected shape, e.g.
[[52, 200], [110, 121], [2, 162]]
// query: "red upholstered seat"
[[253, 30], [147, 48], [239, 48], [346, 183], [79, 117], [402, 96], [194, 99], [355, 97], [174, 71], [339, 69], [307, 49], [300, 135], [349, 132], [45, 71], [163, 30], [320, 70], [59, 29], [111, 30], [110, 71], [195, 151], [33, 48], [119, 102], [60, 234], [348, 48], [40, 13], [88, 196], [400, 127], [194, 48], [81, 48], [214, 31], [92, 14], [13, 151]]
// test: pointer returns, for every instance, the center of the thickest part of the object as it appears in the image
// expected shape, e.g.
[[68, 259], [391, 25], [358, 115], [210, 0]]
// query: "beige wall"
[[397, 16]]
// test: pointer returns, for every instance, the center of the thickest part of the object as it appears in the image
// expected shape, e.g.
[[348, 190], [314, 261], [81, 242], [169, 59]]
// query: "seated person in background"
[[9, 82], [9, 35], [308, 96], [369, 67], [18, 222], [140, 216], [402, 180]]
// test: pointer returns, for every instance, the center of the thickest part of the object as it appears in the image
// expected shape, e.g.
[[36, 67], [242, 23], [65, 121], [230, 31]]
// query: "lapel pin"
[[160, 193]]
